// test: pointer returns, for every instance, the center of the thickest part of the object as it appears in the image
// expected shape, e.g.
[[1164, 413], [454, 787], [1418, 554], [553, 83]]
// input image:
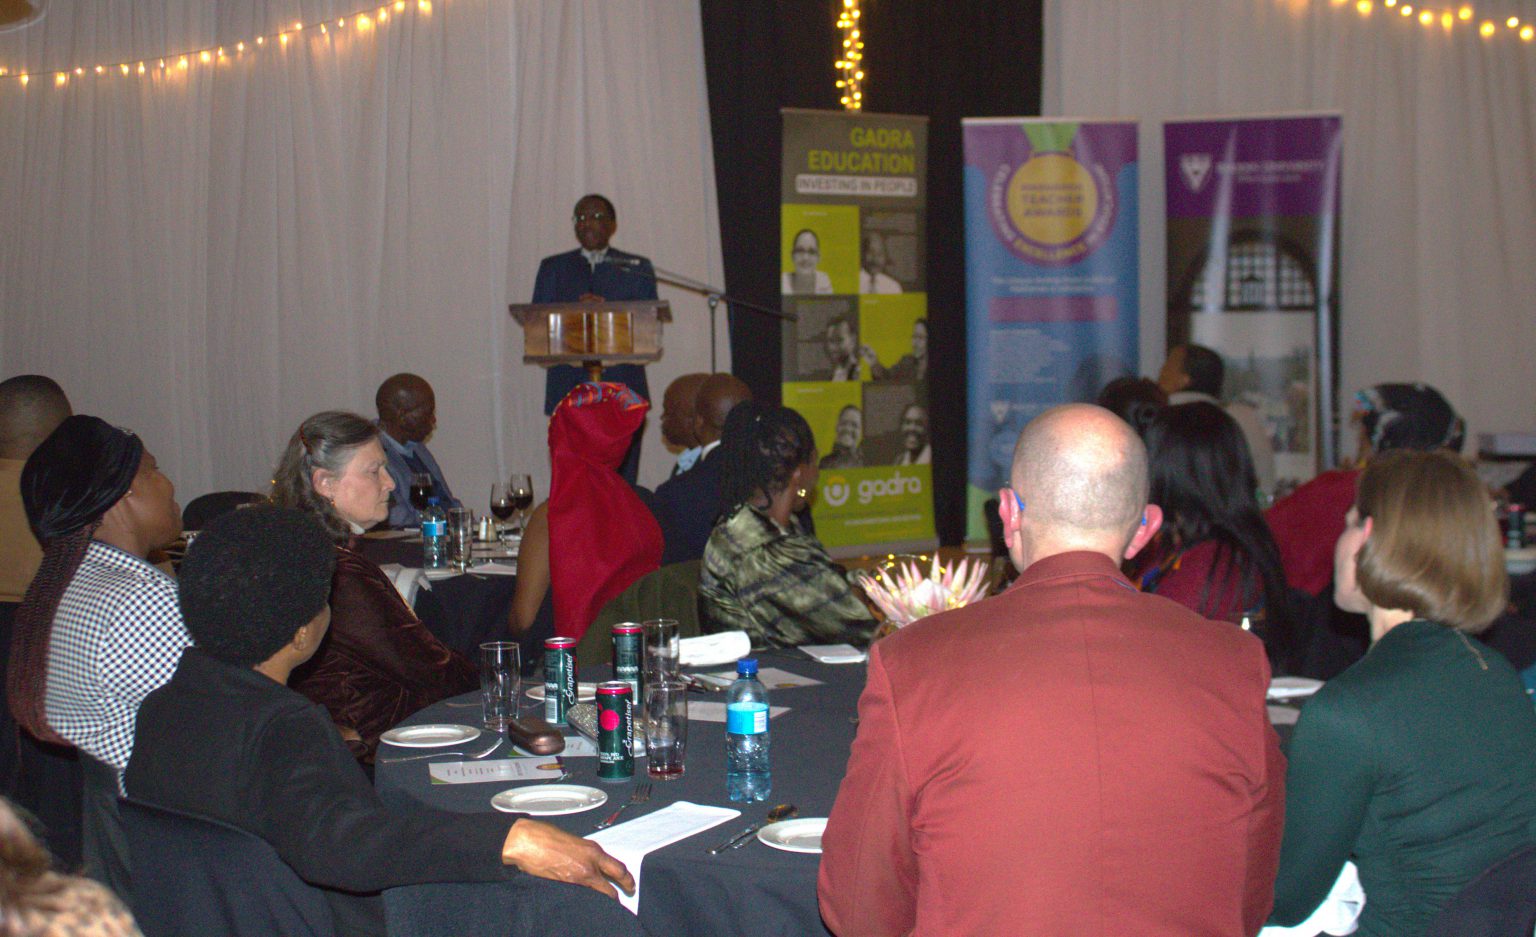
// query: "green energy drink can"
[[628, 655], [615, 731], [559, 678]]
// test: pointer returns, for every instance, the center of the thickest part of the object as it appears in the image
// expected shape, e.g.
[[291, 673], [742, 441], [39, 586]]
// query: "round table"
[[748, 891]]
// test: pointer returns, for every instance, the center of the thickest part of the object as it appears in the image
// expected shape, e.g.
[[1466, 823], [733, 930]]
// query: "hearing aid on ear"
[[1020, 499]]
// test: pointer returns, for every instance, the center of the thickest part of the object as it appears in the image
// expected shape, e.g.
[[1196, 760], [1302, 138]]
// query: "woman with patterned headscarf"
[[99, 627]]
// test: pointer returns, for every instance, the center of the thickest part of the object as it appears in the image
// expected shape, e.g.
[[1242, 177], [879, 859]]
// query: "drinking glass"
[[520, 488], [501, 501], [461, 537], [661, 649], [421, 490], [500, 683], [666, 728]]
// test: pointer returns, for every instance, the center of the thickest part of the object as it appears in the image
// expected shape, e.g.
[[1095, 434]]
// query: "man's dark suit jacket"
[[565, 278], [686, 506]]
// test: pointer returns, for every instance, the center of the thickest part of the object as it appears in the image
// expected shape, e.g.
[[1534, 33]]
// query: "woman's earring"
[[800, 492]]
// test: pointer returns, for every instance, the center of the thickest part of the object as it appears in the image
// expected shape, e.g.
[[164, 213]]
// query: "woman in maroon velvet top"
[[1214, 554], [379, 663]]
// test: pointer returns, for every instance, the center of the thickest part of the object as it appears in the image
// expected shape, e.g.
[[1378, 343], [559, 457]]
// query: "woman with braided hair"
[[762, 572], [99, 627]]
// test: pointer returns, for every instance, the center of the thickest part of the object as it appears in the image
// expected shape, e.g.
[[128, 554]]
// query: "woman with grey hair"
[[379, 663]]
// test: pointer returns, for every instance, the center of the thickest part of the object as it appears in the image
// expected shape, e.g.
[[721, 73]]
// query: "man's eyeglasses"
[[598, 215]]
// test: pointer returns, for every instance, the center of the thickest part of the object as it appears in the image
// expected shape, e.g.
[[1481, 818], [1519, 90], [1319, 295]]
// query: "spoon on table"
[[781, 812]]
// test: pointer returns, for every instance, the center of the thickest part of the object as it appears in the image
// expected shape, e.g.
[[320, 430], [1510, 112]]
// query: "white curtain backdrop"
[[207, 256], [1439, 209]]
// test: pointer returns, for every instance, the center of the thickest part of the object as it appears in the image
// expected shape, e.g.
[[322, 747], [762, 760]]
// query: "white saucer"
[[432, 736], [802, 835], [585, 692], [549, 800]]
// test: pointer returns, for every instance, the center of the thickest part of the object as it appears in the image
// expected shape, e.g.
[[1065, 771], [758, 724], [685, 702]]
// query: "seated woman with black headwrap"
[[99, 627], [762, 572], [380, 663], [226, 739]]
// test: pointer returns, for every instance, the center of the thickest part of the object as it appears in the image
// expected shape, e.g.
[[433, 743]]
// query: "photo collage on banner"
[[853, 269], [1051, 279], [1253, 270]]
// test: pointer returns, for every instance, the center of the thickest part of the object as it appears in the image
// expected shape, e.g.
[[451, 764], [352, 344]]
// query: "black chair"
[[204, 508], [1499, 903], [193, 876]]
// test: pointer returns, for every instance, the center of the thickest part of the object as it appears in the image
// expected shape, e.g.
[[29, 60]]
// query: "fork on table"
[[641, 795]]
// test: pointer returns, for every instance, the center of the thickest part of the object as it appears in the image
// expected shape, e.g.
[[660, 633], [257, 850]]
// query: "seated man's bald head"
[[1082, 471], [31, 407], [718, 396]]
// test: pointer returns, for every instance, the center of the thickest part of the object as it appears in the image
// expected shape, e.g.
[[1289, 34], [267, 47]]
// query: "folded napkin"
[[494, 568], [631, 842], [407, 580], [1339, 914], [835, 653], [708, 650], [1293, 687]]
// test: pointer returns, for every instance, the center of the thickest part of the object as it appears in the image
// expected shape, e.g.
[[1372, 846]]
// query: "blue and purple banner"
[[1051, 277], [1253, 207]]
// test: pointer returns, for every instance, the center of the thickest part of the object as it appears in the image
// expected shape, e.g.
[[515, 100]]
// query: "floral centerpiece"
[[904, 594]]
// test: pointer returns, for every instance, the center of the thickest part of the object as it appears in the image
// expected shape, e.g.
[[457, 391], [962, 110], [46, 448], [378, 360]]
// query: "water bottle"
[[747, 777], [434, 536]]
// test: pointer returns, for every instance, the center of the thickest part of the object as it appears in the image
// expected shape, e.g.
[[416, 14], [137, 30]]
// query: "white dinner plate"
[[802, 835], [549, 800], [432, 736], [1293, 687], [585, 692]]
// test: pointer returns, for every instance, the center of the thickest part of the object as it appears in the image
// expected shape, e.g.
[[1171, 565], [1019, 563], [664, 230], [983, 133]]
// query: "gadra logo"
[[1196, 168], [835, 491]]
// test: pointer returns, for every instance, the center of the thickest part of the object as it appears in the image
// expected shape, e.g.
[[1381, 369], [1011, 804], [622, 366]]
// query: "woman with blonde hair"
[[35, 901], [1419, 761]]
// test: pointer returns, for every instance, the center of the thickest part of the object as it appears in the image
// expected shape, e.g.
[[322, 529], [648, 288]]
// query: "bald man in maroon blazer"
[[1072, 757]]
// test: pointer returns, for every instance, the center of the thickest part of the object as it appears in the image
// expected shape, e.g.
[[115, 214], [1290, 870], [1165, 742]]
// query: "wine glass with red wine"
[[501, 501], [520, 488], [421, 490]]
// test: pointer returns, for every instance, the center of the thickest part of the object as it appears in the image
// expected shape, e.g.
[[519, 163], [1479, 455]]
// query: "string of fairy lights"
[[850, 62], [1460, 17], [361, 21]]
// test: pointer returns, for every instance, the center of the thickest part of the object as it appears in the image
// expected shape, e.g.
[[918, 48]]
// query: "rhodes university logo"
[[1196, 168]]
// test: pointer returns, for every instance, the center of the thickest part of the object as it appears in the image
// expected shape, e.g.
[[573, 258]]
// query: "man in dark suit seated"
[[595, 272], [228, 740], [1071, 756], [686, 504]]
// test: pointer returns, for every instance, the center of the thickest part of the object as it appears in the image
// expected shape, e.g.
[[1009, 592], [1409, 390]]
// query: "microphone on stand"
[[623, 261]]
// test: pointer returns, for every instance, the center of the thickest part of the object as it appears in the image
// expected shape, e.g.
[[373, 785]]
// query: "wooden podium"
[[592, 335]]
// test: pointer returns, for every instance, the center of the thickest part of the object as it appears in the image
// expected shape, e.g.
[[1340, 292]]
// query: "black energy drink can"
[[559, 678], [629, 655], [615, 731]]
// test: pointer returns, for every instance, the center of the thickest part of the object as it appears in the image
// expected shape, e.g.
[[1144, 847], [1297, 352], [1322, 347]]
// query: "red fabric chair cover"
[[601, 536]]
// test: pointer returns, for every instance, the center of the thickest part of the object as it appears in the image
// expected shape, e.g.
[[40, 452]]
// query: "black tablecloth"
[[463, 611], [754, 890]]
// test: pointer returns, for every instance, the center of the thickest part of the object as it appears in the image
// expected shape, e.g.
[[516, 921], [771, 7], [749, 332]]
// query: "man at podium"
[[594, 272]]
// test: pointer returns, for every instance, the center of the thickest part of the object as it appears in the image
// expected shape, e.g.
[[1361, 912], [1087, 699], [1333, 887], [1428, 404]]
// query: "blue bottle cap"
[[746, 667], [433, 500]]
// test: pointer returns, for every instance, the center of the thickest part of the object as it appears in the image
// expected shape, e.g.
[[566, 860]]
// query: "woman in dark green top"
[[1419, 762], [762, 572]]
